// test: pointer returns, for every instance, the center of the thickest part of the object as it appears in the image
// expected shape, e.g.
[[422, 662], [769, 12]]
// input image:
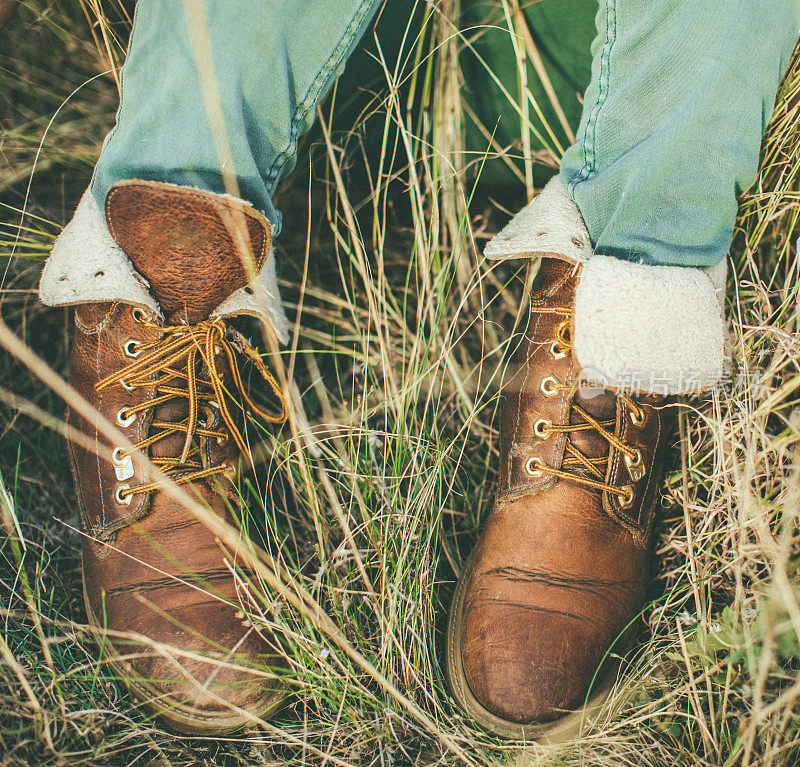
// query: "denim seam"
[[309, 100], [590, 134], [110, 136]]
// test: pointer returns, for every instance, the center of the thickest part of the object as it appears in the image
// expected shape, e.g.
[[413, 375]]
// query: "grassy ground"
[[374, 492]]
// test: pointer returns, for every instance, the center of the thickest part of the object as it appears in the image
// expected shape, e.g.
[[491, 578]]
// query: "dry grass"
[[368, 501]]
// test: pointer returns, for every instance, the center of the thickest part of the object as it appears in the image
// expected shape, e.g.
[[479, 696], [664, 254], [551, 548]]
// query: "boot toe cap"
[[529, 666], [206, 673]]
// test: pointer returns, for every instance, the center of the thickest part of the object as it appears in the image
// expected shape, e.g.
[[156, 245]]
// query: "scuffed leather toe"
[[544, 604], [207, 660], [523, 664]]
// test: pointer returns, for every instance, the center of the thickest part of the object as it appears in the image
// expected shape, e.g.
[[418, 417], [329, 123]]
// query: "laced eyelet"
[[230, 471], [531, 467], [548, 386], [556, 351], [626, 499], [638, 416], [122, 501], [636, 460], [635, 465], [133, 348], [223, 440], [124, 418], [123, 464], [125, 385], [139, 315], [541, 428]]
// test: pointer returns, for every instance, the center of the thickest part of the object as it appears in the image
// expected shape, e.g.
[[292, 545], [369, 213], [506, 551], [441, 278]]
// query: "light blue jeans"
[[680, 94], [671, 128]]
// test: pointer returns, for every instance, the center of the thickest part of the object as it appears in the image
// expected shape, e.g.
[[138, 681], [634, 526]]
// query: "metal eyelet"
[[125, 385], [123, 464], [229, 471], [139, 315], [550, 390], [638, 416], [530, 467], [634, 464], [626, 500], [556, 351], [124, 418], [636, 460], [126, 501], [223, 440], [540, 428], [133, 348]]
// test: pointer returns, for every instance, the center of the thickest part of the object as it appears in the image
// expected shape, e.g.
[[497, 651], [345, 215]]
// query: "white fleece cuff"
[[549, 225], [637, 327], [87, 266], [647, 328]]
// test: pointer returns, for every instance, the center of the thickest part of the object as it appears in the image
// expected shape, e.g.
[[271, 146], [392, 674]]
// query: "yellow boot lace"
[[166, 366], [573, 457]]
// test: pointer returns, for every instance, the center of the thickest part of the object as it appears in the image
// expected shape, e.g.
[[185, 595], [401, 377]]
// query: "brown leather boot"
[[559, 576], [151, 569]]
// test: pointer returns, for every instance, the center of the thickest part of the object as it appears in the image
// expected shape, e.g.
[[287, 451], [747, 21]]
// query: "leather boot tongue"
[[194, 248]]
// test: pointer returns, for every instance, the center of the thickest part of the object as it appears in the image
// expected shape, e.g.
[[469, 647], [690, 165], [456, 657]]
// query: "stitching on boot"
[[99, 326], [528, 366], [612, 469], [101, 491], [647, 527]]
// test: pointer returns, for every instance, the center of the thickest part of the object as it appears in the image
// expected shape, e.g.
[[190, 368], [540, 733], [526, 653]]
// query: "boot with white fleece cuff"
[[561, 571], [151, 282]]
